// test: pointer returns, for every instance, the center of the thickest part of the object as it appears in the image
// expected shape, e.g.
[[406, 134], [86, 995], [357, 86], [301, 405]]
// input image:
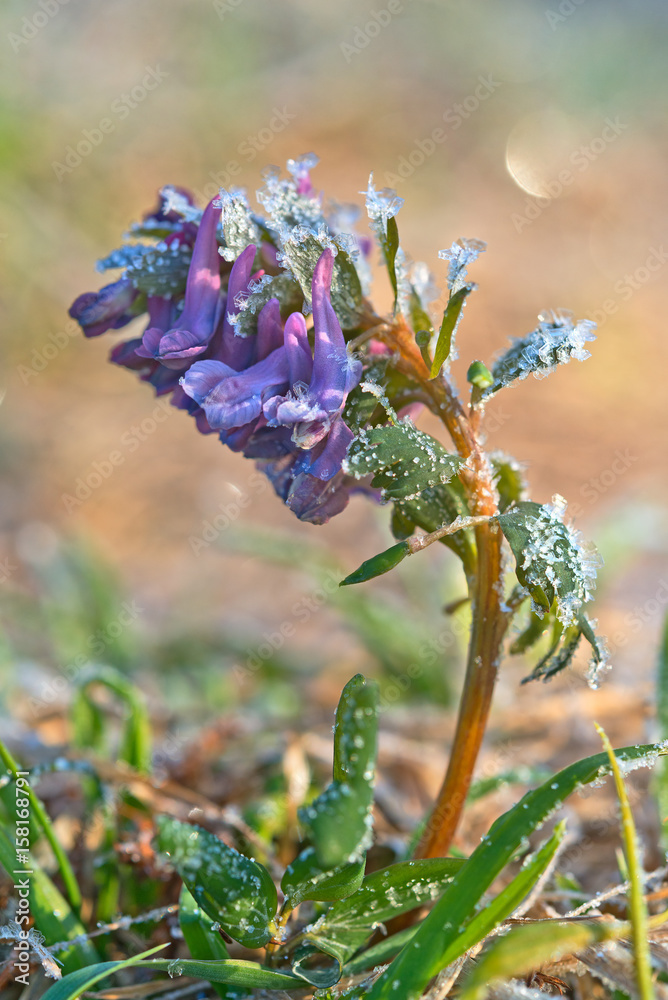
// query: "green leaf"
[[234, 891], [339, 820], [72, 986], [403, 460], [451, 318], [40, 816], [135, 746], [380, 953], [435, 506], [204, 943], [637, 904], [442, 937], [508, 479], [305, 879], [556, 568], [234, 972], [532, 633], [661, 777], [379, 564], [51, 912], [390, 246], [527, 948]]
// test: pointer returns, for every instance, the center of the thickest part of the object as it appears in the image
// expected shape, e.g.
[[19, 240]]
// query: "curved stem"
[[490, 617]]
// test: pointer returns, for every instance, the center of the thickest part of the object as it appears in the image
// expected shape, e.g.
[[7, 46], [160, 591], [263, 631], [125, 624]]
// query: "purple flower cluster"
[[268, 394]]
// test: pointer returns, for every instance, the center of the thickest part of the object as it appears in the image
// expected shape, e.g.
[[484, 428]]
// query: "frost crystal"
[[460, 255], [239, 227], [174, 201], [555, 341], [381, 206], [285, 206]]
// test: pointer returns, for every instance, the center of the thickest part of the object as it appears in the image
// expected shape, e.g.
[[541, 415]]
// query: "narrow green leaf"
[[40, 815], [135, 747], [390, 247], [379, 564], [339, 820], [509, 479], [527, 948], [380, 953], [661, 778], [204, 943], [451, 316], [638, 907], [234, 891], [305, 879], [51, 912], [437, 938], [234, 972]]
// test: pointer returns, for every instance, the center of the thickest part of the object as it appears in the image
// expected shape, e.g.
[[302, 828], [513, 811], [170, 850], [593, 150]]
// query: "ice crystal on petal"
[[460, 255], [176, 201]]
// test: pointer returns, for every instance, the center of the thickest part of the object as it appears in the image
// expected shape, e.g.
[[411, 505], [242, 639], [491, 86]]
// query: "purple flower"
[[175, 346], [108, 309]]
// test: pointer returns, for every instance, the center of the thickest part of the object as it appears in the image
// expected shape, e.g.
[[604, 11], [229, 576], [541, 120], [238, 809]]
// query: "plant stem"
[[490, 618]]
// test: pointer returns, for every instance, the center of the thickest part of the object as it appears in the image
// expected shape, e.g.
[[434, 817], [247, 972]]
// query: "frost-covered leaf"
[[552, 561], [305, 879], [301, 251], [161, 269], [508, 479], [379, 564], [281, 286], [236, 892], [403, 460], [285, 206], [445, 934], [382, 207], [240, 227], [451, 318], [380, 382], [555, 341], [339, 820], [385, 894], [556, 567]]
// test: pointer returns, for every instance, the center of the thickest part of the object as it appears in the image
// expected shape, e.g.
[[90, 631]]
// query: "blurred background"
[[536, 126]]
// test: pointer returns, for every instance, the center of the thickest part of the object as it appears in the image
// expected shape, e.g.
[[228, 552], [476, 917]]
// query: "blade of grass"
[[661, 779], [637, 905], [41, 816]]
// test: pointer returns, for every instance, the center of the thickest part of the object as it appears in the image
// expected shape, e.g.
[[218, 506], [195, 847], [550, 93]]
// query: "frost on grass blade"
[[233, 890], [557, 568], [339, 820], [555, 341], [305, 879], [403, 460], [459, 256], [382, 207]]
